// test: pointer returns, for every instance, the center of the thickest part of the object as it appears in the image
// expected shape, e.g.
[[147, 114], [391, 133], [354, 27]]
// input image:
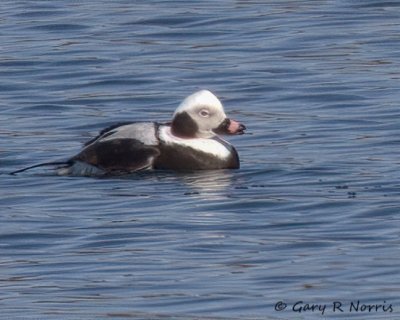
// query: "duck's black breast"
[[184, 158], [175, 156]]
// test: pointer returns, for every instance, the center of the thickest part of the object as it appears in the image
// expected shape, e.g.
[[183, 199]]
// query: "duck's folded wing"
[[121, 154], [144, 132]]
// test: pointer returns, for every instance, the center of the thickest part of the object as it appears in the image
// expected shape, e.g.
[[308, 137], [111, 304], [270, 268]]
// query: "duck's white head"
[[201, 115]]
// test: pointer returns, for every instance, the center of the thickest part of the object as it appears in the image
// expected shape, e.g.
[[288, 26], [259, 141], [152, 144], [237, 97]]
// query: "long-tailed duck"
[[189, 142]]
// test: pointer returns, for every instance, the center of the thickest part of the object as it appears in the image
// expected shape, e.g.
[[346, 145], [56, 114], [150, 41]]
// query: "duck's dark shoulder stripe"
[[224, 143], [234, 162], [108, 130]]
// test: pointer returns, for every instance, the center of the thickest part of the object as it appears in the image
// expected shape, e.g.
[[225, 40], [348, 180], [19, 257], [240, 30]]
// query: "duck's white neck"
[[211, 146]]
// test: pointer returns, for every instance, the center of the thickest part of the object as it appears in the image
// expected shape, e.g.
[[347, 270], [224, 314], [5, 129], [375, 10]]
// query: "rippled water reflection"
[[311, 216]]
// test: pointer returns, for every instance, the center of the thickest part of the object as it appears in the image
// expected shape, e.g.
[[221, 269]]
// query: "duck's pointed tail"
[[55, 163]]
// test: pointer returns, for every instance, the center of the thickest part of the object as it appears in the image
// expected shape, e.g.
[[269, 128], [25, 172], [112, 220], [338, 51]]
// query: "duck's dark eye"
[[204, 113]]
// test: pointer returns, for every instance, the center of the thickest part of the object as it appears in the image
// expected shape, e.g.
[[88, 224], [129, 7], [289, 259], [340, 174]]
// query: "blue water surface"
[[310, 220]]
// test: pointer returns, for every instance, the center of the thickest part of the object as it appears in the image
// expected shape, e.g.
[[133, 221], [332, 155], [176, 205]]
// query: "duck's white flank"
[[209, 146]]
